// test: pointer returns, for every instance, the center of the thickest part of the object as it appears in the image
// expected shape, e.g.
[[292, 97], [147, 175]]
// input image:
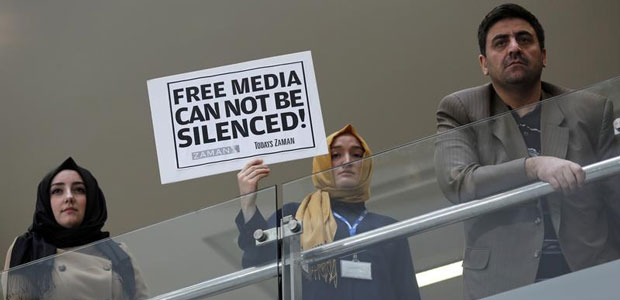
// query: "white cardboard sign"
[[213, 121]]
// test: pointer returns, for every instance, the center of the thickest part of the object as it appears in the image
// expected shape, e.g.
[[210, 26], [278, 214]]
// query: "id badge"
[[356, 269]]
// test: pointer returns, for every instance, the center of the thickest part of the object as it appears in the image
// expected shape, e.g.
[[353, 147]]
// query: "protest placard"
[[213, 121]]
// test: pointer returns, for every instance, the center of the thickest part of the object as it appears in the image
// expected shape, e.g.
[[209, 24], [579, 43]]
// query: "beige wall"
[[73, 80]]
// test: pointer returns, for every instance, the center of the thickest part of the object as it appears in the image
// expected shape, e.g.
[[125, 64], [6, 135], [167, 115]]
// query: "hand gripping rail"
[[409, 227]]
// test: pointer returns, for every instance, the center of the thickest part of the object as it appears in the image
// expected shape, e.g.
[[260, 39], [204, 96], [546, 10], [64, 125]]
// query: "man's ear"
[[544, 57], [483, 64]]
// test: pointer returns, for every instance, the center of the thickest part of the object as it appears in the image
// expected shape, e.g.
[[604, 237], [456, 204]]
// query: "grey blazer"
[[502, 249]]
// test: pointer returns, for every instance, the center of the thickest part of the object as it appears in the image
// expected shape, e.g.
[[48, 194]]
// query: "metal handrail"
[[223, 284], [409, 227], [450, 215]]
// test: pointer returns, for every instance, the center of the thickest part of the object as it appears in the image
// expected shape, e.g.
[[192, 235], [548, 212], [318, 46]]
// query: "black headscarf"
[[45, 235]]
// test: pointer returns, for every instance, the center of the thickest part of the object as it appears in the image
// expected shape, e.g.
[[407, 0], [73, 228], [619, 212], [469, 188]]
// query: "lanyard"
[[352, 229]]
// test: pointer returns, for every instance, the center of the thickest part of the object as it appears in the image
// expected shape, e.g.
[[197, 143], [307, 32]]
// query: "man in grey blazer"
[[528, 140]]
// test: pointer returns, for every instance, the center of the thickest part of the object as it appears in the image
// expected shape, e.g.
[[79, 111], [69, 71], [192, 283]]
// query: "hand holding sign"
[[248, 179]]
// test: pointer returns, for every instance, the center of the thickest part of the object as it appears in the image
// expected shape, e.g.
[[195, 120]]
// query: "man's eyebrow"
[[504, 35], [524, 32], [499, 37]]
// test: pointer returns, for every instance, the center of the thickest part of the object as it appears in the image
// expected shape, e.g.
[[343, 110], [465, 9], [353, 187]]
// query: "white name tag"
[[355, 269]]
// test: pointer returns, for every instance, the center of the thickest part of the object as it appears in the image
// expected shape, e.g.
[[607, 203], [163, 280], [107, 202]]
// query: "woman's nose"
[[69, 196]]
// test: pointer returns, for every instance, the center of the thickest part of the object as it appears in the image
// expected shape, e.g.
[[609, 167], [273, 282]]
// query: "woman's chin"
[[346, 183]]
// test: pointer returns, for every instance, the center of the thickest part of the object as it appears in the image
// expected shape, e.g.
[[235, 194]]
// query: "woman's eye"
[[80, 190], [56, 191]]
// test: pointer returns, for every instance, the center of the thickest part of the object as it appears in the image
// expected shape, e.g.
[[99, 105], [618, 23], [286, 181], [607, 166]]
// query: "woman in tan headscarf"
[[335, 210], [349, 184]]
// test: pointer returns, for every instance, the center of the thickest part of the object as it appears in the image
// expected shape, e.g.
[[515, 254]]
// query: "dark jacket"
[[393, 275]]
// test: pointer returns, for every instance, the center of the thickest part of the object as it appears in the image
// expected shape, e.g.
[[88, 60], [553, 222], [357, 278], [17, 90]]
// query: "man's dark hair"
[[508, 11]]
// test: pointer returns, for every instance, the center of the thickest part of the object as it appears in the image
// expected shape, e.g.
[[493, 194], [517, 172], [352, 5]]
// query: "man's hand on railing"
[[562, 174], [248, 179]]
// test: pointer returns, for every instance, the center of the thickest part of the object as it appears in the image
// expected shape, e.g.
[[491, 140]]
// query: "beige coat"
[[85, 274]]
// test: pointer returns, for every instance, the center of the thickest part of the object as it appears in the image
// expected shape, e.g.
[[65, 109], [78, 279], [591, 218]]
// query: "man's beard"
[[523, 77]]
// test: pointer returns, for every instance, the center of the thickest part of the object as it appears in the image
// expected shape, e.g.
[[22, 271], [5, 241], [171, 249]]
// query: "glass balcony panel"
[[191, 255], [402, 185], [459, 198], [464, 194]]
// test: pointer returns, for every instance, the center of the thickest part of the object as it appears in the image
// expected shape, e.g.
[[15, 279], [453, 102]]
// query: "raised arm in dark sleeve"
[[254, 255], [257, 255]]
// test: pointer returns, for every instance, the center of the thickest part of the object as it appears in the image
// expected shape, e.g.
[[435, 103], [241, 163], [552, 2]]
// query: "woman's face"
[[346, 149], [68, 198]]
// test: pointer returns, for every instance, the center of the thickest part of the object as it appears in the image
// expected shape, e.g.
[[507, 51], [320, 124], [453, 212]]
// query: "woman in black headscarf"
[[70, 212]]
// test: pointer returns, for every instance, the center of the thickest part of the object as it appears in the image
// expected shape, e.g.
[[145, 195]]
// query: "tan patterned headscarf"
[[319, 225]]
